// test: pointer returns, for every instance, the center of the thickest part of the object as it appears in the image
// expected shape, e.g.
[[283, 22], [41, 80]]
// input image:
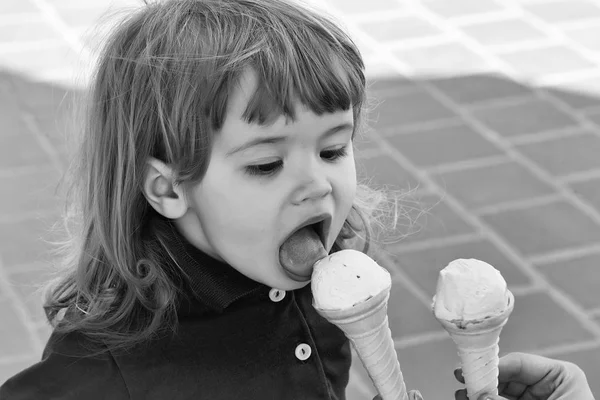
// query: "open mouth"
[[320, 224], [304, 246]]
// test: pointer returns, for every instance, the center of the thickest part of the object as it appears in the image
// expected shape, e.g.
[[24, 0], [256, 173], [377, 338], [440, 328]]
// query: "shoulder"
[[68, 370]]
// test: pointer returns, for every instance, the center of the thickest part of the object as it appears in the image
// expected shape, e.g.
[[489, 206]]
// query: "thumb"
[[490, 397]]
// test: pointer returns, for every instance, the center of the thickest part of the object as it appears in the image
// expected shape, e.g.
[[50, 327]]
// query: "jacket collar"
[[210, 282]]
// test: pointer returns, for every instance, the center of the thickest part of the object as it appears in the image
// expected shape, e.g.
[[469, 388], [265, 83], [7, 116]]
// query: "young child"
[[216, 167]]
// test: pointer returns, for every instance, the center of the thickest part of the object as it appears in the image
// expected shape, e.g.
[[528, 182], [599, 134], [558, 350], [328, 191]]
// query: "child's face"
[[251, 200]]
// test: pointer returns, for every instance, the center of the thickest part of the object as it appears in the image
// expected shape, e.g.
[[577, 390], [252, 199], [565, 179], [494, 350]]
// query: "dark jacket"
[[237, 339]]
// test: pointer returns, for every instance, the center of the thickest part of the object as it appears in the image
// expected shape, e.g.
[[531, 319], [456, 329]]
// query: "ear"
[[160, 190]]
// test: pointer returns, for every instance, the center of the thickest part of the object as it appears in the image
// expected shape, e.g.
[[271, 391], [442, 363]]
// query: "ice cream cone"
[[477, 345], [366, 326]]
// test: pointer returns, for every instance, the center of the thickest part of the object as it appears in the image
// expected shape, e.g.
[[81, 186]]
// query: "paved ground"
[[488, 112]]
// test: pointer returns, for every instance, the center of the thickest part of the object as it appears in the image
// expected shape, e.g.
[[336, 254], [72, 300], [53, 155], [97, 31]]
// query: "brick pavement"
[[487, 111]]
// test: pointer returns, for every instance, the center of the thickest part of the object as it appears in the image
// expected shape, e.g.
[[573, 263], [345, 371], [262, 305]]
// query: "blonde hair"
[[160, 90]]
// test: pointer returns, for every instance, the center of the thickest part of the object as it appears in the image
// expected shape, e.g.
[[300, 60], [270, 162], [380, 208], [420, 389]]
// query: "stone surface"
[[443, 145], [503, 32], [564, 10], [533, 326], [545, 228], [589, 191], [431, 218], [533, 116], [440, 58], [545, 61], [577, 278], [493, 184], [566, 155], [408, 109], [477, 88]]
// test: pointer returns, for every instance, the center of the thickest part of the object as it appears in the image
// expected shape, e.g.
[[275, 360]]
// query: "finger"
[[513, 389], [527, 369], [458, 375], [490, 397], [461, 394]]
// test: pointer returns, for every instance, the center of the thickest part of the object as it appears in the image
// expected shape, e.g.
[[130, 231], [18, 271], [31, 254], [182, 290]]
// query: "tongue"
[[300, 252]]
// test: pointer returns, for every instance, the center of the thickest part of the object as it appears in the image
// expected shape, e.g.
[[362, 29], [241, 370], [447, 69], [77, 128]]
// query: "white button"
[[303, 351], [276, 295]]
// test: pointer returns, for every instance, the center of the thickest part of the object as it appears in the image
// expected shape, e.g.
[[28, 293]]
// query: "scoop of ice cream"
[[469, 290], [346, 278]]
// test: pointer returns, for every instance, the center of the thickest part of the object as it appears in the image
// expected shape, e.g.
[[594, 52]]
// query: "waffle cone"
[[366, 326], [477, 345]]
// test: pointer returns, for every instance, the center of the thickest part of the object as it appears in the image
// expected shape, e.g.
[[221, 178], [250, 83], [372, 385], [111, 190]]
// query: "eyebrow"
[[280, 139]]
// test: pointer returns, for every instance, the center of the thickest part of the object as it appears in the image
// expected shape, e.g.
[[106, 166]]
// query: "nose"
[[313, 184]]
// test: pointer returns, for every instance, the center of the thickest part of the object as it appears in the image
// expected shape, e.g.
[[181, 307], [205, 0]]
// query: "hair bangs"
[[325, 76]]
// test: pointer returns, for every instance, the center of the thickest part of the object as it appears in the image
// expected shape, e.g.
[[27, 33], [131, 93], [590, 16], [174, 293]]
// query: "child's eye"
[[332, 155], [264, 169]]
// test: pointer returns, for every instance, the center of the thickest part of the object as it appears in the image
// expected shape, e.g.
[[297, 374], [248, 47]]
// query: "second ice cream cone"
[[366, 326], [477, 345]]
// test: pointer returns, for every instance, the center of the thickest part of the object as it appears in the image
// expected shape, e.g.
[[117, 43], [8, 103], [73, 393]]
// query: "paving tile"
[[27, 241], [42, 97], [28, 284], [594, 117], [429, 368], [586, 36], [580, 94], [546, 228], [545, 61], [400, 28], [494, 184], [431, 218], [350, 7], [60, 130], [566, 155], [17, 7], [461, 8], [21, 150], [408, 109], [443, 145], [564, 11], [35, 29], [423, 266], [34, 63], [408, 316], [14, 335], [533, 326], [10, 110], [589, 191], [388, 85], [384, 170], [364, 142], [589, 362], [445, 58], [528, 117], [93, 16], [503, 32], [578, 278], [29, 191], [473, 89]]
